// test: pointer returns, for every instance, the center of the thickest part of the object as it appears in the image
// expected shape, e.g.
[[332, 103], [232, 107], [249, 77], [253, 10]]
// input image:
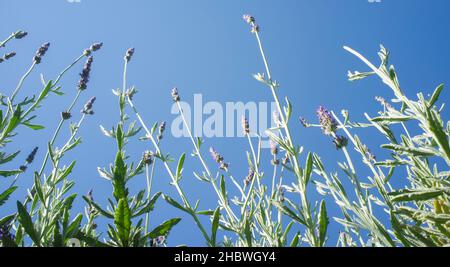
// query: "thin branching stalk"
[[284, 125], [169, 171], [21, 81], [223, 202]]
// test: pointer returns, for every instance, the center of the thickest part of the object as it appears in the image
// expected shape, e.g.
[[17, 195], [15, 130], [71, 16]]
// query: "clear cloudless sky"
[[204, 46]]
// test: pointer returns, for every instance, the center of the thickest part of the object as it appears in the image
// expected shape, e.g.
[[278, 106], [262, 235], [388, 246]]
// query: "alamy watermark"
[[215, 119]]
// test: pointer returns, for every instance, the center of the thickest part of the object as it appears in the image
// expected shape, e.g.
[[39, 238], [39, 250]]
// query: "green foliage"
[[417, 140]]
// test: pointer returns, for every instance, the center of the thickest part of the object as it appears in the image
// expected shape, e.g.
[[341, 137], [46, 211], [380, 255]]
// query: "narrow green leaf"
[[436, 94], [215, 226], [122, 221], [149, 206], [294, 242], [57, 237], [119, 174], [174, 203], [415, 194], [119, 136], [248, 232], [98, 208], [27, 223], [5, 195], [308, 168], [10, 173], [4, 159], [180, 166], [34, 126], [38, 187], [7, 219], [44, 91], [323, 223], [410, 150], [205, 212], [164, 228], [73, 227]]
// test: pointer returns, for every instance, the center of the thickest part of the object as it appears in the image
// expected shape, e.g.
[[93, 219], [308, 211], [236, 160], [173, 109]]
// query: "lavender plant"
[[125, 207], [49, 207], [253, 219], [271, 206], [418, 213]]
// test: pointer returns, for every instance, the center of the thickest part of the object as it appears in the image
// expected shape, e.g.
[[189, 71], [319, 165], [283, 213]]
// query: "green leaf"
[[122, 221], [57, 237], [119, 136], [440, 136], [323, 223], [90, 241], [215, 226], [5, 195], [13, 122], [308, 168], [223, 189], [6, 219], [415, 194], [289, 212], [73, 227], [288, 109], [164, 228], [10, 173], [8, 242], [119, 174], [45, 91], [248, 232], [391, 119], [34, 126], [358, 75], [398, 229], [98, 208], [205, 212], [27, 223], [67, 171], [294, 242], [436, 94], [149, 206], [51, 153], [4, 159], [410, 150], [38, 187], [174, 203], [180, 166], [286, 232]]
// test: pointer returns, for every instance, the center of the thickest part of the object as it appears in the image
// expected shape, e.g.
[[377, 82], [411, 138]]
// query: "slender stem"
[[368, 163], [72, 136], [61, 121], [20, 84], [56, 166], [303, 195], [208, 172], [247, 197], [61, 74], [273, 178], [3, 43], [235, 183], [149, 179], [124, 80], [197, 150], [255, 160], [58, 129], [169, 171]]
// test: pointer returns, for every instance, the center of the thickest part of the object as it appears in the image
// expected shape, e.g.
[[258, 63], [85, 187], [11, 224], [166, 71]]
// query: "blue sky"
[[204, 46]]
